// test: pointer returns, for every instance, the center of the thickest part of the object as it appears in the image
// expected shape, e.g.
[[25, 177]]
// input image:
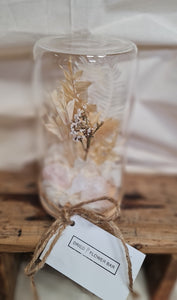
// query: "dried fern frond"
[[107, 87]]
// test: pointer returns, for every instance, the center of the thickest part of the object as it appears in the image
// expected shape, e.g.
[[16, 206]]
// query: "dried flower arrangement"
[[73, 116], [88, 143]]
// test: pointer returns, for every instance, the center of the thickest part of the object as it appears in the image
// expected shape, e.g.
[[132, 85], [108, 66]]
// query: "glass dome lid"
[[84, 45]]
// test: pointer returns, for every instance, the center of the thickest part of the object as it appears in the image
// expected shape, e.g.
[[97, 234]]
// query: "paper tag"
[[95, 259]]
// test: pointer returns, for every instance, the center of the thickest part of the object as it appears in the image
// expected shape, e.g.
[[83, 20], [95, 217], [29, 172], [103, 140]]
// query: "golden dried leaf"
[[62, 128], [109, 127], [70, 65], [68, 93], [77, 75], [94, 117], [81, 86], [78, 104], [67, 88], [52, 127], [60, 106], [70, 109], [68, 97], [55, 100], [103, 150], [64, 116], [54, 96], [67, 76]]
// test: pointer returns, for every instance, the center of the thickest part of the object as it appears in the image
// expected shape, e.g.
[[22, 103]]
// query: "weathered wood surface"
[[19, 182], [148, 220], [8, 273]]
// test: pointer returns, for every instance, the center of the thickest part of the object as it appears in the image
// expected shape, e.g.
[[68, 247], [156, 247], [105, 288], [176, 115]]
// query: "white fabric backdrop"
[[152, 25]]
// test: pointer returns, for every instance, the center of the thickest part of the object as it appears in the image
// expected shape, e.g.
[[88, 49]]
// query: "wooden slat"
[[161, 274], [22, 223], [148, 220], [23, 181], [8, 274], [170, 275], [149, 212]]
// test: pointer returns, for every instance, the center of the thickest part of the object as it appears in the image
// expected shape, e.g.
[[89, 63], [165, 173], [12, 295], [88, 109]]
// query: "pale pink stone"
[[57, 174], [90, 187]]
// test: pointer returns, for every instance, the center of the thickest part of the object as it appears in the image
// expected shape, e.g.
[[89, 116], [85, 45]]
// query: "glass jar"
[[84, 87]]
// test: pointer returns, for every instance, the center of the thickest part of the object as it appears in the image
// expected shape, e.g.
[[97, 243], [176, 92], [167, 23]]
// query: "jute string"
[[62, 220]]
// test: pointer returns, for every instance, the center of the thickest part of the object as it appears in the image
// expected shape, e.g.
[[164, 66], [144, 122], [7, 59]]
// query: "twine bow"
[[63, 219]]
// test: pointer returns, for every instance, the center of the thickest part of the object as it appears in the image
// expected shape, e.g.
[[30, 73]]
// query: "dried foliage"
[[105, 141], [73, 118]]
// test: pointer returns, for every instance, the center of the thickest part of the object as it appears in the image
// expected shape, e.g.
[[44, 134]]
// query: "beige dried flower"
[[83, 128]]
